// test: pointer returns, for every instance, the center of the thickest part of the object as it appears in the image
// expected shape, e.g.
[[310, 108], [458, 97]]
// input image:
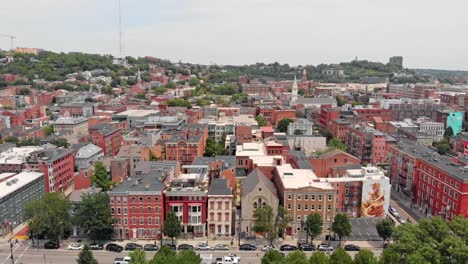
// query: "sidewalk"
[[6, 238]]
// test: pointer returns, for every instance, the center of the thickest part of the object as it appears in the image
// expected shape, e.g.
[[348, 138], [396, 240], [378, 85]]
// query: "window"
[[289, 196], [226, 217], [142, 220], [299, 197], [142, 210], [320, 197], [329, 197], [335, 160], [306, 207], [445, 189], [320, 207], [227, 205], [156, 220], [111, 200], [211, 205], [289, 206], [298, 218], [312, 197], [149, 210], [220, 205], [156, 210], [219, 216], [125, 210], [149, 199], [125, 221], [312, 207], [455, 195], [133, 220], [133, 199], [150, 221], [118, 200], [124, 200], [112, 210], [329, 207], [306, 197], [298, 207]]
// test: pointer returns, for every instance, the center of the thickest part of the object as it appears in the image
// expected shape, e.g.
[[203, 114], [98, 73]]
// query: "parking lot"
[[364, 229]]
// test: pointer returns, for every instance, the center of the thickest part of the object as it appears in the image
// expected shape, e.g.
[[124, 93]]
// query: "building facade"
[[220, 211], [107, 137]]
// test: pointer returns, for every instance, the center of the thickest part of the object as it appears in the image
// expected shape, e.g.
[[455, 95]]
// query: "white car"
[[202, 246], [267, 248], [75, 247], [323, 247]]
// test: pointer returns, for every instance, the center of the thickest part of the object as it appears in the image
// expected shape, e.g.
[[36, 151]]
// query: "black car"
[[133, 246], [351, 247], [51, 245], [306, 247], [247, 247], [185, 247], [96, 246], [287, 247], [114, 247], [150, 247]]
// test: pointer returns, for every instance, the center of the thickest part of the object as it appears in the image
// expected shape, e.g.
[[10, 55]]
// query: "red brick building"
[[260, 89], [327, 115], [367, 114], [243, 134], [187, 144], [279, 114], [138, 207], [368, 144], [108, 138], [57, 165], [436, 184], [16, 117], [338, 128], [324, 164]]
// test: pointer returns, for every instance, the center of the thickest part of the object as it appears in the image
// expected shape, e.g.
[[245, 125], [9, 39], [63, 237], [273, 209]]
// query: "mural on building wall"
[[375, 197]]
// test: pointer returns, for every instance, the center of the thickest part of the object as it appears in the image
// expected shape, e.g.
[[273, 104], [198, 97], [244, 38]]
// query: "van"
[[124, 260]]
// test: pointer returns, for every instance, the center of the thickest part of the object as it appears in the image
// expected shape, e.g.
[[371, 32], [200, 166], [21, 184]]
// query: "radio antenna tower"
[[121, 49]]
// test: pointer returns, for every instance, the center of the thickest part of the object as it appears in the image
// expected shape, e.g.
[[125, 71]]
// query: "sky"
[[427, 33]]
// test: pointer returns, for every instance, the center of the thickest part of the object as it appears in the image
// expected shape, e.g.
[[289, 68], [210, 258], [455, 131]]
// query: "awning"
[[22, 234]]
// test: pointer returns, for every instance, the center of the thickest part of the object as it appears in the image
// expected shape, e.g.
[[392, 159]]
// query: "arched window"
[[255, 205], [264, 204], [259, 201]]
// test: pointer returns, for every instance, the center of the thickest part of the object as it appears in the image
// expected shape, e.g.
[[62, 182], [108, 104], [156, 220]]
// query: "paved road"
[[29, 255]]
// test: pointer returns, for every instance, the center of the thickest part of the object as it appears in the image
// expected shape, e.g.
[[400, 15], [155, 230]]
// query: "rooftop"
[[251, 149], [70, 120], [88, 151], [137, 112], [219, 187], [136, 185], [299, 178], [17, 182], [76, 196], [17, 155]]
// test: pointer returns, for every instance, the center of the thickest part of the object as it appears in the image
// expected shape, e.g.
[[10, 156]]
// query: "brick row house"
[[107, 137]]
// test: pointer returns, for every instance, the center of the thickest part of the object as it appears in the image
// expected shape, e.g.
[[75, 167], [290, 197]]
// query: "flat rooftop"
[[251, 149], [137, 112], [17, 155], [299, 178], [17, 182]]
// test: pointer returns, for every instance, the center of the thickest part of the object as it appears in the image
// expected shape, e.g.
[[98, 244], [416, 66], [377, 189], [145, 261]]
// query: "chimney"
[[147, 186]]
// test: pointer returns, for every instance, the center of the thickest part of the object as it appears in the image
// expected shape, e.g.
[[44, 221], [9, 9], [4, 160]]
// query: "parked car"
[[132, 246], [351, 247], [185, 247], [51, 245], [202, 246], [173, 247], [267, 248], [325, 247], [114, 247], [150, 247], [247, 247], [124, 260], [288, 247], [75, 246], [221, 247], [95, 246], [394, 212], [306, 247]]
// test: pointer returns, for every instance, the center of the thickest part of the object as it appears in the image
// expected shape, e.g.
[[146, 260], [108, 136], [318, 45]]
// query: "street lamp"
[[239, 231]]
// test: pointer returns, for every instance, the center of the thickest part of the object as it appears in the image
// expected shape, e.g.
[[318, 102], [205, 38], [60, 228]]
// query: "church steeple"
[[304, 75], [294, 94], [138, 77]]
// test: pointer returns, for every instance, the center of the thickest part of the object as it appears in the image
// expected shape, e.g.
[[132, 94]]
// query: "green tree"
[[214, 149], [282, 125], [188, 257], [101, 177], [283, 220], [138, 256], [49, 130], [86, 256], [448, 132], [11, 140], [170, 85], [314, 225], [261, 120], [318, 258], [265, 221], [341, 226], [272, 257], [296, 257], [339, 256], [172, 227], [93, 216], [365, 256], [337, 144], [165, 255], [443, 148], [49, 216], [202, 102], [327, 133], [160, 90], [340, 101], [194, 82], [385, 228], [179, 102], [60, 142], [141, 96]]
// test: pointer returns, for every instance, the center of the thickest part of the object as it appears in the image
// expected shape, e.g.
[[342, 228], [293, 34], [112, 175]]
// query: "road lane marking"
[[9, 255], [18, 258]]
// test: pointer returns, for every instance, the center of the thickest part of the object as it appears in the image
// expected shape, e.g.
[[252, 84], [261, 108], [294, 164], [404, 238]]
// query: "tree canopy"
[[314, 225], [269, 223], [49, 216], [341, 226], [86, 256], [93, 216], [385, 228], [179, 102], [261, 120], [101, 177], [172, 226], [283, 124]]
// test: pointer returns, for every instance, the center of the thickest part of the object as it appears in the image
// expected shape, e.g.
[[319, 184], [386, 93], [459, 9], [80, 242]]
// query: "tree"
[[165, 255], [49, 216], [60, 142], [100, 177], [160, 90], [429, 241], [11, 140], [385, 228], [448, 132], [314, 225], [138, 256], [272, 257], [202, 102], [283, 124], [365, 256], [86, 256], [318, 258], [339, 256], [188, 257], [296, 257], [214, 149], [340, 101], [172, 227], [443, 148], [261, 120], [93, 216], [283, 220], [327, 133], [337, 144], [264, 222], [48, 130], [170, 85], [179, 102], [141, 96], [341, 226]]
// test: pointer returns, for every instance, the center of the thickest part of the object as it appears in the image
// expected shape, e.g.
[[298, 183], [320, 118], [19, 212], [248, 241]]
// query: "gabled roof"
[[334, 153], [253, 179]]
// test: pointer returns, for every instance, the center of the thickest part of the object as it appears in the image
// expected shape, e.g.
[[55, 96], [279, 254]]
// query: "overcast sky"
[[427, 33]]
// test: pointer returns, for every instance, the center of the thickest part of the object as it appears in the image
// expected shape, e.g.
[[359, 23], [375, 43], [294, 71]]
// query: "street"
[[28, 255]]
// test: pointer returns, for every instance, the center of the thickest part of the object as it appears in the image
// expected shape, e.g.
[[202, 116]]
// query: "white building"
[[301, 126]]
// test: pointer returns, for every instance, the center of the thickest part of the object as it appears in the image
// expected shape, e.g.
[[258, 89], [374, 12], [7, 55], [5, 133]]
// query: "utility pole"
[[11, 250], [11, 39]]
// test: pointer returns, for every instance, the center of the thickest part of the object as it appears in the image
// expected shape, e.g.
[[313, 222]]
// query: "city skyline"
[[298, 32]]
